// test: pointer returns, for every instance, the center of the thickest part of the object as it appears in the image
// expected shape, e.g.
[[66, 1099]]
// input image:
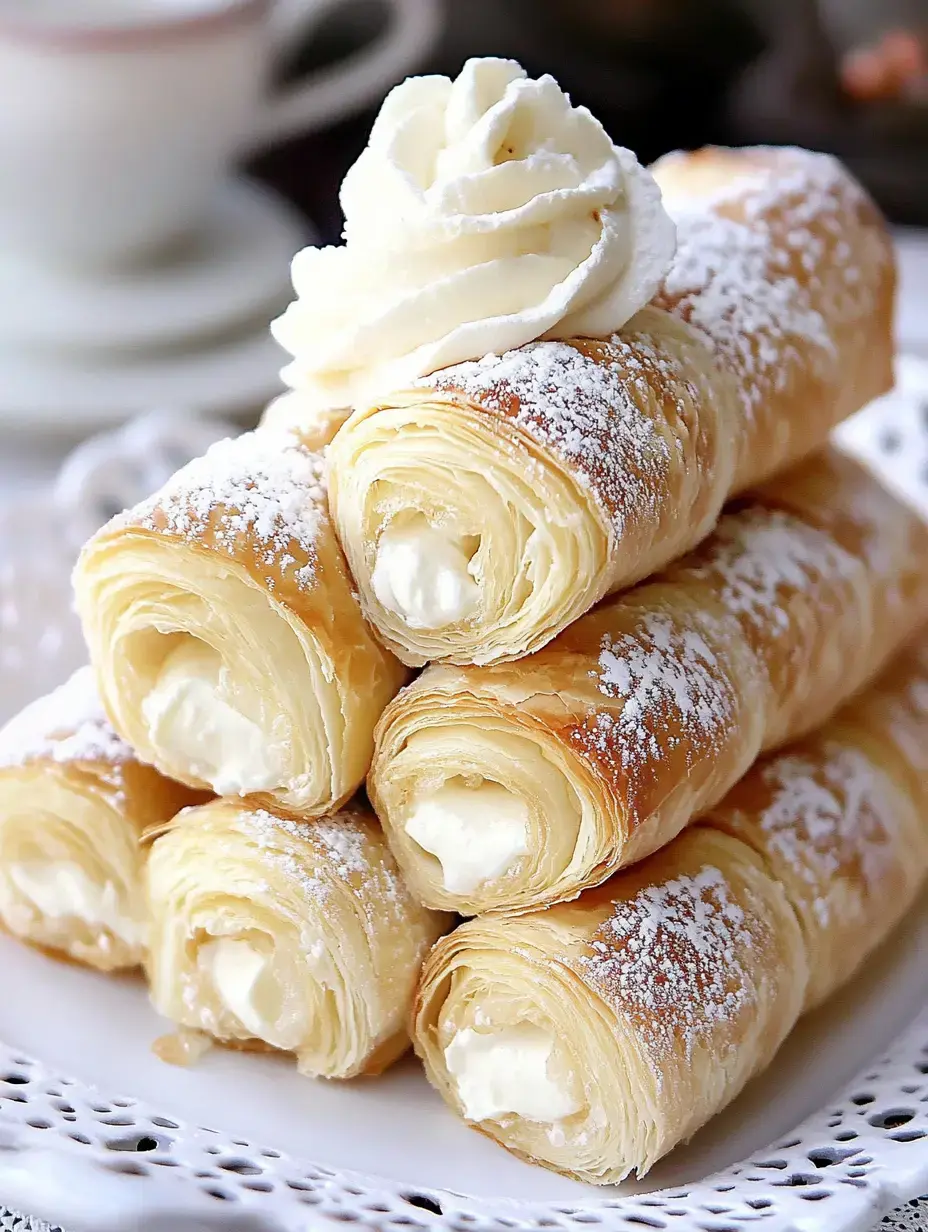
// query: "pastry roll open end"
[[74, 803], [483, 511], [298, 937], [593, 1036], [228, 645], [516, 786]]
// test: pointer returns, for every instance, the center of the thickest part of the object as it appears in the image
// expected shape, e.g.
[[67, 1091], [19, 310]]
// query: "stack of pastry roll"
[[75, 803], [592, 1015], [595, 1035], [515, 785], [489, 505]]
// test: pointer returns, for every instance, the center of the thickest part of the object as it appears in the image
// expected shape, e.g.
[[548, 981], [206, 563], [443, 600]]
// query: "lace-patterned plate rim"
[[840, 1170], [73, 1155]]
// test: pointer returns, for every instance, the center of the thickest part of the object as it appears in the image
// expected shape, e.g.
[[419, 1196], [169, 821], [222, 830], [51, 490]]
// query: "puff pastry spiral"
[[229, 649], [74, 804], [297, 937]]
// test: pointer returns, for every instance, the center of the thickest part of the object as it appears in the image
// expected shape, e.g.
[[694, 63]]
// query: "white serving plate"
[[97, 1135]]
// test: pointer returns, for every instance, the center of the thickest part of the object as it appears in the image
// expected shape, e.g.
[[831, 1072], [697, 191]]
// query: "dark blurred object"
[[656, 72], [798, 91], [662, 74], [309, 169], [895, 69]]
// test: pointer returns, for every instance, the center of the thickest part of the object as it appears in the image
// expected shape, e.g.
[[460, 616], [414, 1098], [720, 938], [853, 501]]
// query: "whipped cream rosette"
[[484, 213]]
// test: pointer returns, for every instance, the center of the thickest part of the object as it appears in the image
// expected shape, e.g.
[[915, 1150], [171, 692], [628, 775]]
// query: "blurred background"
[[163, 159]]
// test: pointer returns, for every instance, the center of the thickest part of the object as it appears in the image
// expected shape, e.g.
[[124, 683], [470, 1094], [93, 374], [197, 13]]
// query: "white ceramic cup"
[[120, 117]]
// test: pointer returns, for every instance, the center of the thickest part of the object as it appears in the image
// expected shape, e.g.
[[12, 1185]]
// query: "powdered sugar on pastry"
[[907, 714], [68, 725], [739, 250], [265, 485], [723, 282], [885, 537], [757, 554], [670, 958], [346, 851], [671, 686], [579, 408], [827, 814]]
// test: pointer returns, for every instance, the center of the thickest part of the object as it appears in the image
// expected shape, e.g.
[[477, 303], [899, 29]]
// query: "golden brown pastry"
[[486, 508], [520, 784], [594, 1036], [74, 803], [227, 642], [841, 820], [298, 937]]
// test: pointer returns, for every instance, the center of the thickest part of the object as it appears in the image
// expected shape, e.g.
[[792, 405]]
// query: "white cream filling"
[[244, 982], [476, 833], [61, 890], [506, 1071], [189, 719], [424, 574]]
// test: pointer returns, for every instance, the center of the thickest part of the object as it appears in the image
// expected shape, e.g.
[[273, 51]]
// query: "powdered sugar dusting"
[[281, 843], [757, 554], [68, 725], [721, 283], [266, 485], [827, 814], [343, 842], [671, 687], [580, 408], [887, 536], [906, 713], [765, 284], [671, 957]]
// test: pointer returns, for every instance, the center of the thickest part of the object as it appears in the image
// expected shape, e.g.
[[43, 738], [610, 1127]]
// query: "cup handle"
[[337, 90]]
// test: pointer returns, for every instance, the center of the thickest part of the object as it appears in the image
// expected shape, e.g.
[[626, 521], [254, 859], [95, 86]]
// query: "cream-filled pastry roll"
[[594, 1036], [227, 641], [74, 804], [487, 506], [297, 937], [515, 785]]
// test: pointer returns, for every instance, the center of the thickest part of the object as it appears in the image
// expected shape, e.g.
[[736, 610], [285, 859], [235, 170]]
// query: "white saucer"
[[76, 392], [912, 297], [235, 268]]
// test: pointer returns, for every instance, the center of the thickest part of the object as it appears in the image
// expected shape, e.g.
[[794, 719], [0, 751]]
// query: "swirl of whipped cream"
[[484, 213]]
